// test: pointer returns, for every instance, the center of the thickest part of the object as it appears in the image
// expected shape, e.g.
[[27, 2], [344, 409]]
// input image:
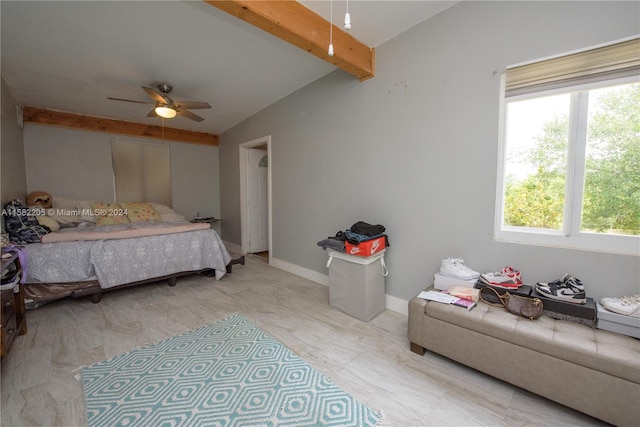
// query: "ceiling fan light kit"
[[165, 112]]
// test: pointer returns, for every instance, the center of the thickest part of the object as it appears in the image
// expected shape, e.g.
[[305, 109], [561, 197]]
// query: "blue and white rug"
[[229, 373]]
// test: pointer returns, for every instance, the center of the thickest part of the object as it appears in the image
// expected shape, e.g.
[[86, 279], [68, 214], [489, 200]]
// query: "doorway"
[[255, 197]]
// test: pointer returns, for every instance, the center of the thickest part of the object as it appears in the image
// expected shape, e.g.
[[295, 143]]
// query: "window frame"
[[569, 236]]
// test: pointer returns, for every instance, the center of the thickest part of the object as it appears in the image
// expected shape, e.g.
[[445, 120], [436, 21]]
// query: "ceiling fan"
[[166, 107]]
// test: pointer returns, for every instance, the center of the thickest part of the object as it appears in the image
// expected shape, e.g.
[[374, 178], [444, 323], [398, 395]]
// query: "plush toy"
[[40, 198], [43, 201]]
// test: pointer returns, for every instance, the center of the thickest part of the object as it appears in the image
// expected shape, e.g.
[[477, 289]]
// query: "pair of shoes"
[[500, 280], [513, 274], [568, 288], [508, 278], [454, 267], [573, 281], [628, 306]]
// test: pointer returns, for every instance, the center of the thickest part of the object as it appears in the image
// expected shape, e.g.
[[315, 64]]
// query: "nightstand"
[[14, 320]]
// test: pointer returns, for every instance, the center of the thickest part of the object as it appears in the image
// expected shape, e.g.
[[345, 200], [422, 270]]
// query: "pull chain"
[[347, 18], [330, 52]]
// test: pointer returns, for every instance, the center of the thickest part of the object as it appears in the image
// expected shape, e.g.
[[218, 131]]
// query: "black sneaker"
[[563, 290]]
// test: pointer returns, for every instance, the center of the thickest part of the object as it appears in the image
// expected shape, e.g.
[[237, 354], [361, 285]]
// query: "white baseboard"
[[314, 276], [397, 304], [232, 247], [392, 303]]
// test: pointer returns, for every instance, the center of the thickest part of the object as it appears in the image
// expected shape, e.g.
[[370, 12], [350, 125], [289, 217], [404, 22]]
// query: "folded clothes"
[[332, 244], [358, 233], [356, 238], [340, 236], [367, 229]]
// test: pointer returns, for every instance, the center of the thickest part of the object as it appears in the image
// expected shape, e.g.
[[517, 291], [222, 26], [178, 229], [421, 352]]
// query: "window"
[[569, 170]]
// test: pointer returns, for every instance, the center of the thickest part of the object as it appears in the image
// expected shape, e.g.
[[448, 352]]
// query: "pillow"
[[48, 222], [65, 210], [85, 211], [109, 213], [161, 209], [137, 212], [71, 211], [166, 212], [66, 203], [173, 217]]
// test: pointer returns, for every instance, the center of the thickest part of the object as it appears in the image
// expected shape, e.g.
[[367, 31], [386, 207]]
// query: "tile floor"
[[370, 360]]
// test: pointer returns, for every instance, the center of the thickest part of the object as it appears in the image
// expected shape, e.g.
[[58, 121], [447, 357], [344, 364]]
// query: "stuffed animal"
[[43, 201], [40, 198]]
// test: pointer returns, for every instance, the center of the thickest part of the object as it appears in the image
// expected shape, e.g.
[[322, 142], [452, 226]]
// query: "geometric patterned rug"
[[229, 373]]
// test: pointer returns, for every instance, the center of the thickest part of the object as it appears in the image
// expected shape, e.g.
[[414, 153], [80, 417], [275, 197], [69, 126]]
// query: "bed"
[[141, 243]]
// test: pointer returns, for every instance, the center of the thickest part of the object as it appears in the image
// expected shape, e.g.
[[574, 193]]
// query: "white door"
[[258, 201]]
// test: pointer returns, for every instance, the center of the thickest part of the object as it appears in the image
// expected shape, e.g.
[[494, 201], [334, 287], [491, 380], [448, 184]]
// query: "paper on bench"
[[447, 299], [437, 296]]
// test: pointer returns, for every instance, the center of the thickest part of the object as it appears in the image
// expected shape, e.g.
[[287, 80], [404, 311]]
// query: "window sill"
[[620, 245]]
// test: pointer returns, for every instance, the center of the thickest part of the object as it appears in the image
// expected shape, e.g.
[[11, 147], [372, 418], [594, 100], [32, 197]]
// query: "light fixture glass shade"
[[165, 112]]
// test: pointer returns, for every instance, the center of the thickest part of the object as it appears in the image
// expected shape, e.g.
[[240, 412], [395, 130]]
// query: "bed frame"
[[93, 290]]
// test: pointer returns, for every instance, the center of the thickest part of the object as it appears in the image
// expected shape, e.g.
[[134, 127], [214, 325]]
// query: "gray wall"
[[415, 148], [13, 176], [76, 163]]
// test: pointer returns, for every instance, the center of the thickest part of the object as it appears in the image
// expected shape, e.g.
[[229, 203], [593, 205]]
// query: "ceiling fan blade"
[[152, 113], [189, 115], [193, 105], [157, 96], [130, 100]]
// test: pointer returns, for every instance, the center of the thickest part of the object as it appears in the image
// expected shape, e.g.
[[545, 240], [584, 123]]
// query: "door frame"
[[244, 191]]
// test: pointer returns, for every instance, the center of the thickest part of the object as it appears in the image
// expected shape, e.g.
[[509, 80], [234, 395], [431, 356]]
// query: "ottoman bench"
[[594, 371]]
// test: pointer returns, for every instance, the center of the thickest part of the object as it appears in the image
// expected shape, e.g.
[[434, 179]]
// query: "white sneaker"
[[454, 267], [473, 273], [628, 306]]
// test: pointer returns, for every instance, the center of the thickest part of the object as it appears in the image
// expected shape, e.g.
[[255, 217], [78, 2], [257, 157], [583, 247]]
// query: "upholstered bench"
[[594, 371]]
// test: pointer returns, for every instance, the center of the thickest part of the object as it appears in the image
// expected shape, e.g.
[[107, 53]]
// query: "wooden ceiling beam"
[[295, 24], [99, 124]]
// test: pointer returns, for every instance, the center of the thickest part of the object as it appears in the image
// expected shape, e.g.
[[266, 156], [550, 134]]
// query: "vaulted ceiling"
[[72, 56]]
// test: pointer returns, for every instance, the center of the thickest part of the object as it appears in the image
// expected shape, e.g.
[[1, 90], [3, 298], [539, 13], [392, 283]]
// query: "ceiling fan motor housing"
[[165, 88]]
